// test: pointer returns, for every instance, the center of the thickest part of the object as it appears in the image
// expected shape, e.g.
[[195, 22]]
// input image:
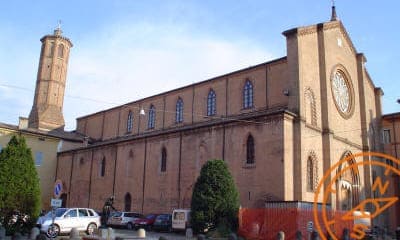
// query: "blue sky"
[[126, 50]]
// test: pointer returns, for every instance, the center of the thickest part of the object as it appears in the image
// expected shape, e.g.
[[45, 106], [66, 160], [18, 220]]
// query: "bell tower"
[[46, 113]]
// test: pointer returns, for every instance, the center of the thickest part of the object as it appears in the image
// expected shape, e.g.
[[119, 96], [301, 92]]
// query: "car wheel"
[[53, 231], [129, 226], [91, 228]]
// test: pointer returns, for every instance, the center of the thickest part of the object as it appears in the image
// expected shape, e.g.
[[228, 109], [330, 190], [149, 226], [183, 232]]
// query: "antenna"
[[59, 25]]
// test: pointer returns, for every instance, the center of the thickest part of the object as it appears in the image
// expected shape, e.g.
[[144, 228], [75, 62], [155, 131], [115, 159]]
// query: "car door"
[[69, 220], [83, 219]]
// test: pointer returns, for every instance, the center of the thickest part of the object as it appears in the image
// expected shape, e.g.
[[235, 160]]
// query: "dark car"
[[163, 222], [146, 222]]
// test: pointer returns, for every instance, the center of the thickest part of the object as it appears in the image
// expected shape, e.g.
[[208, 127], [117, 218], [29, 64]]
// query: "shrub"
[[215, 199]]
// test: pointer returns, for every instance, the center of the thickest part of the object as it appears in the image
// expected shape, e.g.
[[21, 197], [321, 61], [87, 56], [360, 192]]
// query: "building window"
[[250, 158], [129, 122], [211, 103], [310, 108], [60, 53], [248, 95], [102, 168], [38, 159], [128, 202], [152, 117], [179, 111], [163, 160], [51, 52], [312, 172], [386, 136]]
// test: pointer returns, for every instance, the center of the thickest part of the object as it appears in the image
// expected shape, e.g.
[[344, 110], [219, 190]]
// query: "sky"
[[125, 50]]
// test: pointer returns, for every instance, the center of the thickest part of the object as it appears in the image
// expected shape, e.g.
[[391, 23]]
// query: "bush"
[[215, 200], [19, 185]]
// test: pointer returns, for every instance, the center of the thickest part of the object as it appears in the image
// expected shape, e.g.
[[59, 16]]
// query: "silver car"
[[83, 219]]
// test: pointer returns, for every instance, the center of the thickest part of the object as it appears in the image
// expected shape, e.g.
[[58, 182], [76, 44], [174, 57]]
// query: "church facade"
[[279, 125]]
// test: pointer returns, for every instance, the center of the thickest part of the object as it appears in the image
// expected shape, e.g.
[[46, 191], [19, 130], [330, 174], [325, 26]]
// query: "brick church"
[[279, 125]]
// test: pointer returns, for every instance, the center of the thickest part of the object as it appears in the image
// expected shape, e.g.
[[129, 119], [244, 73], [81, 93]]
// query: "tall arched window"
[[51, 52], [152, 117], [310, 108], [163, 160], [128, 202], [179, 111], [60, 53], [211, 103], [248, 95], [129, 122], [102, 167], [250, 156], [312, 172]]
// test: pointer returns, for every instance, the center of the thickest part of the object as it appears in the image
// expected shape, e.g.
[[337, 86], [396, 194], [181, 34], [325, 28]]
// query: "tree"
[[19, 187], [215, 199]]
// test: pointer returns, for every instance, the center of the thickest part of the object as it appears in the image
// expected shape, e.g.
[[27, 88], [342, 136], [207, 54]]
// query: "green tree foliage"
[[215, 199], [19, 187]]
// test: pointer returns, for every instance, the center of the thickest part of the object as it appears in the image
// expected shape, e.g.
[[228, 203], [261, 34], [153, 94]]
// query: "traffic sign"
[[310, 226], [58, 188], [56, 202]]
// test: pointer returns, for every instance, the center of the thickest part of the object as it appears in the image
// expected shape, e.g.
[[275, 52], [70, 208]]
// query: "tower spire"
[[333, 16]]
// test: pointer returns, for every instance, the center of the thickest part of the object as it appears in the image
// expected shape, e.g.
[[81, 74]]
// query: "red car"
[[146, 222]]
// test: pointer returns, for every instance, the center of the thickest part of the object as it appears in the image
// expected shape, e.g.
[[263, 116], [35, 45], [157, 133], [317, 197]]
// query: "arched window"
[[128, 202], [179, 111], [152, 117], [250, 157], [51, 52], [102, 168], [310, 108], [211, 103], [248, 95], [312, 172], [60, 53], [129, 122], [163, 160]]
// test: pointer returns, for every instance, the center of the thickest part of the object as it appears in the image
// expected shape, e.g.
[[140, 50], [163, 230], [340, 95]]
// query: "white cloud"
[[136, 61]]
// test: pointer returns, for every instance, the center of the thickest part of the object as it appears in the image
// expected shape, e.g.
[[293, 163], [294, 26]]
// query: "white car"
[[83, 219]]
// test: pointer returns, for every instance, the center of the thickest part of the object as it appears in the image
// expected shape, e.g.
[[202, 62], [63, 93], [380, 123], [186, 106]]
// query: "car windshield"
[[163, 217], [151, 216], [116, 214], [58, 213]]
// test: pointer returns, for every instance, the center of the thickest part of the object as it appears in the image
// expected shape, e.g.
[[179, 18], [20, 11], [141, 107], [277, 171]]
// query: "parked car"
[[145, 222], [84, 219], [123, 219], [163, 222], [180, 219]]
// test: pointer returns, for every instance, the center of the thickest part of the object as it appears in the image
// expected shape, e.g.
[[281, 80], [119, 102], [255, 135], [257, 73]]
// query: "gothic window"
[[60, 53], [102, 168], [386, 136], [211, 103], [51, 52], [179, 111], [163, 160], [250, 158], [128, 202], [152, 117], [129, 122], [310, 108], [312, 172], [248, 95]]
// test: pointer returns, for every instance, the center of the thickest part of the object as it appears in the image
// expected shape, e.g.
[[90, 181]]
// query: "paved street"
[[150, 234]]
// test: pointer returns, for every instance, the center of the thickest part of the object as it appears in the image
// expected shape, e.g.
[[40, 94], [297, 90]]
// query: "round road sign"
[[58, 188]]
